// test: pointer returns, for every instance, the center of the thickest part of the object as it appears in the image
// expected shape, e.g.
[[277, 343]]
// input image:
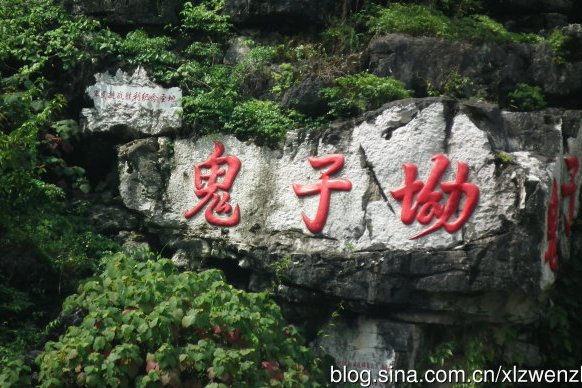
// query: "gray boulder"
[[129, 12], [492, 269], [279, 12], [497, 68], [131, 106]]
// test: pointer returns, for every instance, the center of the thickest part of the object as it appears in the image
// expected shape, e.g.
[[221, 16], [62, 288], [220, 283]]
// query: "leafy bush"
[[455, 85], [262, 119], [456, 7], [147, 325], [151, 52], [527, 98], [284, 78], [410, 19], [342, 38], [205, 17], [357, 93], [420, 20], [557, 42], [40, 34], [213, 94]]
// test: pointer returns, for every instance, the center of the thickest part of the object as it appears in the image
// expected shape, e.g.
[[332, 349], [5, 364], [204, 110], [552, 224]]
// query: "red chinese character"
[[163, 98], [154, 98], [103, 94], [128, 95], [135, 96], [145, 96], [96, 93], [569, 190], [207, 185], [119, 96], [335, 162], [551, 255], [171, 98], [427, 204]]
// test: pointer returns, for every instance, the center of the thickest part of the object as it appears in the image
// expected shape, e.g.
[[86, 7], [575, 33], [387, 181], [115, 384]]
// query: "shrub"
[[457, 7], [357, 93], [342, 38], [410, 19], [558, 42], [213, 93], [147, 324], [262, 120], [206, 17], [455, 85], [138, 48], [527, 98], [419, 20]]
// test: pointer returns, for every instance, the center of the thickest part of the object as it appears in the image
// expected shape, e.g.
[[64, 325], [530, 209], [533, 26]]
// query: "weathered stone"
[[130, 240], [237, 50], [131, 105], [130, 12], [280, 12], [370, 344], [492, 269], [497, 68], [306, 97], [112, 219], [510, 6]]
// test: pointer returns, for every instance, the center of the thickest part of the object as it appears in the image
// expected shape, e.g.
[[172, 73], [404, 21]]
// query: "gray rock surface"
[[132, 106], [306, 97], [279, 12], [492, 269], [367, 344], [497, 68], [130, 12]]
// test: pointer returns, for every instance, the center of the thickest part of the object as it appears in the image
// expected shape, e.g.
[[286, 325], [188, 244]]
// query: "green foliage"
[[284, 78], [154, 53], [503, 158], [455, 85], [342, 38], [357, 93], [456, 7], [207, 53], [38, 40], [14, 372], [213, 94], [40, 34], [280, 268], [557, 42], [257, 57], [475, 353], [560, 323], [410, 19], [262, 119], [420, 20], [147, 324], [527, 98], [206, 17]]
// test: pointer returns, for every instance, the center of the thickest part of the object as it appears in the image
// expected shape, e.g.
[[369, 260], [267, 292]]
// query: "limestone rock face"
[[131, 105], [287, 12], [498, 68], [130, 12], [368, 344], [492, 268]]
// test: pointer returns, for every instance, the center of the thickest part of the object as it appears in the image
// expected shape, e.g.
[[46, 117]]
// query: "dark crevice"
[[450, 109], [370, 169]]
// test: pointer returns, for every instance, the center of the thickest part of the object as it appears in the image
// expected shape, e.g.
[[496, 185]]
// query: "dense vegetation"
[[147, 323], [137, 328]]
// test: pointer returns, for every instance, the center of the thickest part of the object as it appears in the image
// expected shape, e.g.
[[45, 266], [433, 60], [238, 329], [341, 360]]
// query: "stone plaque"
[[132, 104]]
